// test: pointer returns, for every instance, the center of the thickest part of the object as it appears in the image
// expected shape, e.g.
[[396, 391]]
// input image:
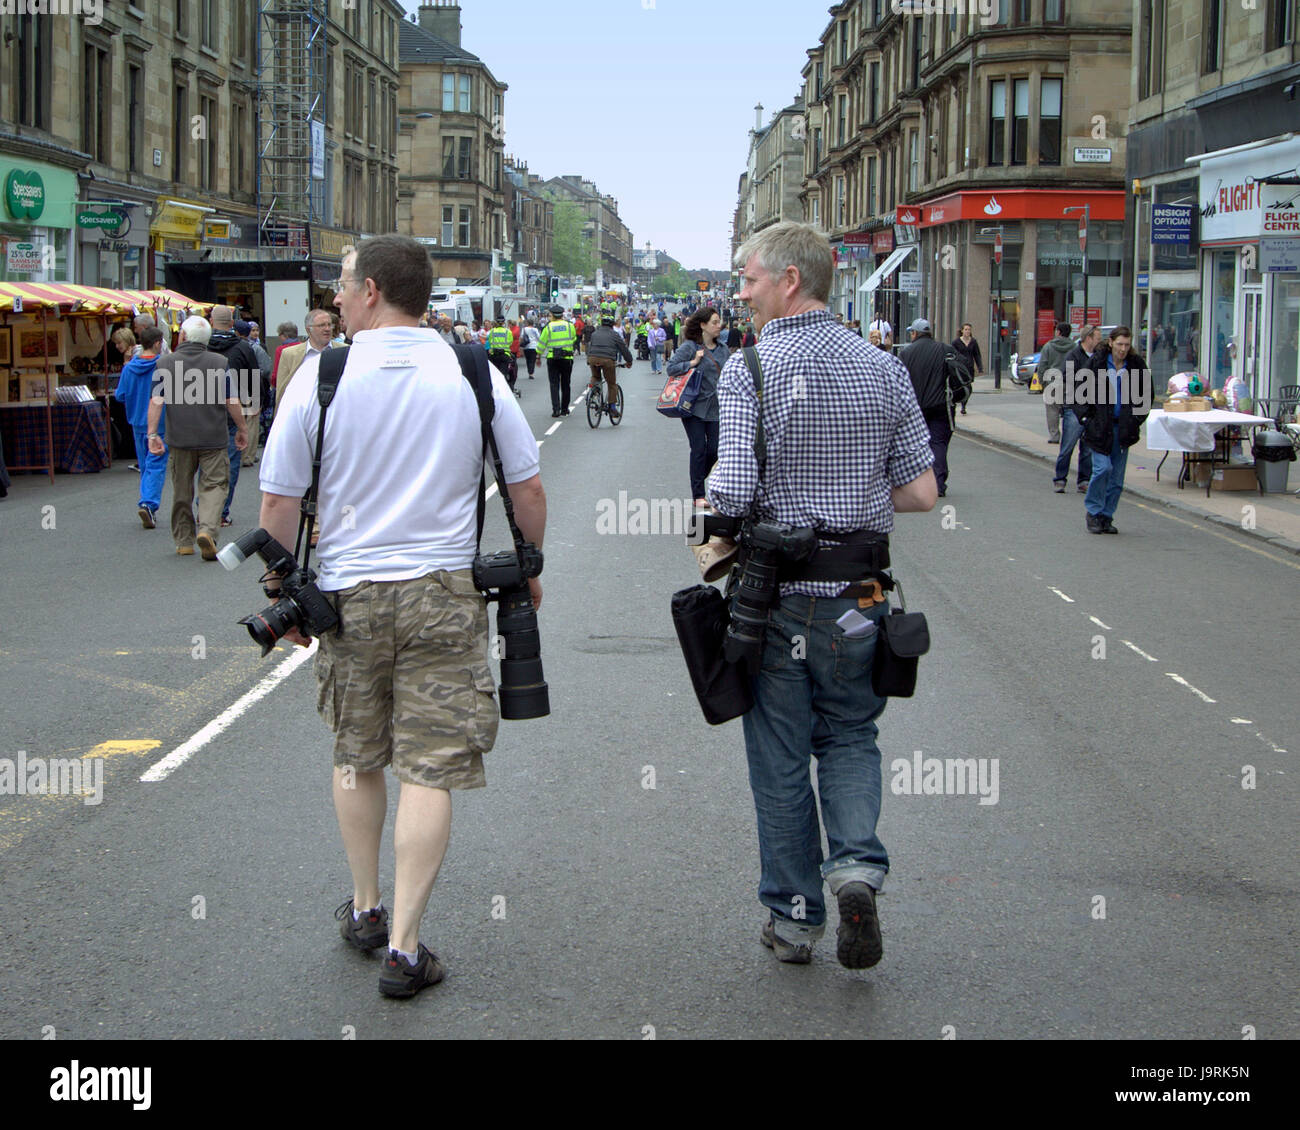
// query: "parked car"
[[1022, 367]]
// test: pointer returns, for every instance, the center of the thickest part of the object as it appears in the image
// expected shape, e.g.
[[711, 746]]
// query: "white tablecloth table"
[[1193, 431]]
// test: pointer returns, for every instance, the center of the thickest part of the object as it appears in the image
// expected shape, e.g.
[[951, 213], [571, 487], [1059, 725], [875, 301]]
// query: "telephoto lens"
[[523, 689], [267, 626]]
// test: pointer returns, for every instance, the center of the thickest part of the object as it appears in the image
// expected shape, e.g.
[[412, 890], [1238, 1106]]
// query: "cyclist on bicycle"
[[602, 356]]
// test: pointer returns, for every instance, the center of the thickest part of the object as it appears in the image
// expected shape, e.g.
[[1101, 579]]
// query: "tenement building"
[[937, 138], [1214, 168]]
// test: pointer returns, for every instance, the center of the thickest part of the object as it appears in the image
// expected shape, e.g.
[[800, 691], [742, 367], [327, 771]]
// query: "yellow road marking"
[[116, 748]]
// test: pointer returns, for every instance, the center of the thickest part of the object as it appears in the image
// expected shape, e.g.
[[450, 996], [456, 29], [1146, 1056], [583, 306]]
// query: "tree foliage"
[[572, 251], [676, 281]]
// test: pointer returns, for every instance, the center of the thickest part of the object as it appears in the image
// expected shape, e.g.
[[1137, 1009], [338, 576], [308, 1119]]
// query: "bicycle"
[[597, 406]]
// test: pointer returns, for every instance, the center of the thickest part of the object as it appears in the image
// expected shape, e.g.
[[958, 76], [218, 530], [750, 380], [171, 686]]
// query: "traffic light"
[[555, 287]]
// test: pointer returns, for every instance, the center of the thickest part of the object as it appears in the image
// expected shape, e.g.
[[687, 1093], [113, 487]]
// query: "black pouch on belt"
[[902, 639], [724, 690]]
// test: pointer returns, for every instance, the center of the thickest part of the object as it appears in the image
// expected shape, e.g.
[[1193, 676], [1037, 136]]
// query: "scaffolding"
[[291, 75]]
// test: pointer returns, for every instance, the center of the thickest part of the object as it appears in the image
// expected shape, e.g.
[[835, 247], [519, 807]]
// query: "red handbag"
[[680, 393]]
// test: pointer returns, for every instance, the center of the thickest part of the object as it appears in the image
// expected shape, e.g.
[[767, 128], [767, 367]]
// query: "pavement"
[[1015, 420], [1132, 875]]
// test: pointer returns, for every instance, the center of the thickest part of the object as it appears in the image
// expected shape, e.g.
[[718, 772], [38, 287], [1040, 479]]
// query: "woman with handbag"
[[702, 351]]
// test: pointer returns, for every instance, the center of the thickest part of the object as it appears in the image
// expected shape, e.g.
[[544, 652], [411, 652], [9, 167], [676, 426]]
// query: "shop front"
[[1167, 281], [1248, 198], [1013, 262], [37, 214], [176, 228]]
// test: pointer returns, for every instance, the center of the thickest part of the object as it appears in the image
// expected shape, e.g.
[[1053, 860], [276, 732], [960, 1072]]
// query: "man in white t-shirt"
[[405, 680], [886, 332]]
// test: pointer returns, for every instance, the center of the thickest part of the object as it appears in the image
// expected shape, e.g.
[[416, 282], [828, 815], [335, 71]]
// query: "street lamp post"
[[995, 319], [1083, 248]]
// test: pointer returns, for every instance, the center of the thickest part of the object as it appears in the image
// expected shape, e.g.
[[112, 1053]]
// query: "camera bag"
[[701, 616], [903, 637]]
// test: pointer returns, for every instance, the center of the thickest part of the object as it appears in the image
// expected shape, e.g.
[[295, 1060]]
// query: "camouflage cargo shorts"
[[406, 681]]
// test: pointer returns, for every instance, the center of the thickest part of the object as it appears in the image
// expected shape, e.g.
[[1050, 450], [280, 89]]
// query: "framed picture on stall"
[[29, 349], [6, 347], [32, 386]]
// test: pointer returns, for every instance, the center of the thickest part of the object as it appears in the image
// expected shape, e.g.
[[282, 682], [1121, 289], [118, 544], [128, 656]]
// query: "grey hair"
[[790, 244], [143, 320], [197, 329]]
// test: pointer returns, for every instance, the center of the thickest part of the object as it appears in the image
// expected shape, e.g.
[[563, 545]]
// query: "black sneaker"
[[1108, 525], [368, 932], [858, 944], [1095, 524], [1059, 484], [148, 518], [398, 978]]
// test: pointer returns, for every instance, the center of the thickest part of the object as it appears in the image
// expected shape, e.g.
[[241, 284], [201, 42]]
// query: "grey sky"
[[651, 99]]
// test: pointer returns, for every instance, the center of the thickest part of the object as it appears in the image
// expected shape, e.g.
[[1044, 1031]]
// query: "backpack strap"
[[328, 375]]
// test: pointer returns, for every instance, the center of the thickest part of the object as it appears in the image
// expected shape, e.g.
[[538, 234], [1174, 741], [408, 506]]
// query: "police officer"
[[498, 350], [556, 345]]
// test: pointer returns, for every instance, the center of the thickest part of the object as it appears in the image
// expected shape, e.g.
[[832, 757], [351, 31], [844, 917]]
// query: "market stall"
[[1204, 440], [56, 373]]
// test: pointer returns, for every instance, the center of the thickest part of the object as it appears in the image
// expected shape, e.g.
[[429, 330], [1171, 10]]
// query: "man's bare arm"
[[918, 496]]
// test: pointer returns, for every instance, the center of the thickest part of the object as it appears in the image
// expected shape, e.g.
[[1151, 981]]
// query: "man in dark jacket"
[[1075, 373], [1116, 397], [247, 376], [1051, 367], [603, 352], [936, 371]]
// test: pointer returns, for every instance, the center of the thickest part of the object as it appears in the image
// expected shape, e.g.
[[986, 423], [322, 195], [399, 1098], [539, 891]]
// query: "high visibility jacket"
[[557, 339], [498, 339], [642, 328]]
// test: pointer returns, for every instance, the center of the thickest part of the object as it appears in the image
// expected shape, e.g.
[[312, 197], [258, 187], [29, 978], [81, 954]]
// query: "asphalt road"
[[1124, 884]]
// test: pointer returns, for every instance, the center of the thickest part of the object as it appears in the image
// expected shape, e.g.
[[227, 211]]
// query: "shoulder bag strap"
[[760, 437], [328, 375]]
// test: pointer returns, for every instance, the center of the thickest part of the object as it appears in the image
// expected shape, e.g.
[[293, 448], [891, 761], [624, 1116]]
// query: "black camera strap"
[[328, 375], [475, 368], [760, 437]]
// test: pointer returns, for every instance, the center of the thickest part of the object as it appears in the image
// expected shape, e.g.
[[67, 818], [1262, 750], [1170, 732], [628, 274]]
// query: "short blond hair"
[[791, 244]]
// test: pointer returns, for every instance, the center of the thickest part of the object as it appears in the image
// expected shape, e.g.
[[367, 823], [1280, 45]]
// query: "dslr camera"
[[301, 605], [503, 577]]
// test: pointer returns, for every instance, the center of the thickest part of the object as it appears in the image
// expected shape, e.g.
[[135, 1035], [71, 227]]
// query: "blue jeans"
[[656, 359], [1071, 430], [153, 469], [236, 460], [813, 697], [1107, 480]]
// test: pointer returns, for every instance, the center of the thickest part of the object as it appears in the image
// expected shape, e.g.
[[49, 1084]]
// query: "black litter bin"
[[1274, 453]]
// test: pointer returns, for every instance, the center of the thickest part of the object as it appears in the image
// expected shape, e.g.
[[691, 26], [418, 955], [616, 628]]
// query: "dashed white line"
[[553, 428], [1099, 623], [490, 491], [1067, 599], [1268, 742], [1134, 647], [228, 717], [1241, 722], [1184, 683]]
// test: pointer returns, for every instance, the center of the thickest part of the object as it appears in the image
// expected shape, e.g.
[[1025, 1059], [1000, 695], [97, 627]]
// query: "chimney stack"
[[758, 117], [441, 18]]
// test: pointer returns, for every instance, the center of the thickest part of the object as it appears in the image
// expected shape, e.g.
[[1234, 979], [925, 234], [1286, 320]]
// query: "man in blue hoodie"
[[134, 390]]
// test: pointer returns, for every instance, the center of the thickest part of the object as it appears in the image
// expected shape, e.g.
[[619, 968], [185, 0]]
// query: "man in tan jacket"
[[306, 354]]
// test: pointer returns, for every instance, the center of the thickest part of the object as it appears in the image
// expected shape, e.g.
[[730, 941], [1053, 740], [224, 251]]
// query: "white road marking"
[[1099, 623], [555, 427], [540, 442], [228, 717], [1067, 599], [490, 491], [1183, 682], [1242, 722], [1142, 653], [1268, 742]]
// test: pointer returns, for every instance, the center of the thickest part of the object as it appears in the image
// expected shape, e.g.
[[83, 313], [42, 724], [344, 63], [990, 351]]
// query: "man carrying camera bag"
[[844, 448], [405, 679]]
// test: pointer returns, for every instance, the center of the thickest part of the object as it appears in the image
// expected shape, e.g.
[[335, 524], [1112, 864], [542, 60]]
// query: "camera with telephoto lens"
[[765, 546], [301, 605], [503, 577]]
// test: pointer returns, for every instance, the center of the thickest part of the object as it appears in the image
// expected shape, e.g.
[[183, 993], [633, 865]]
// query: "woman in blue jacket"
[[702, 348]]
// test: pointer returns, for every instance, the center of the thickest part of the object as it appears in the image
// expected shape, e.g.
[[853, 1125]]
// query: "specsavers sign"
[[1232, 191], [36, 194]]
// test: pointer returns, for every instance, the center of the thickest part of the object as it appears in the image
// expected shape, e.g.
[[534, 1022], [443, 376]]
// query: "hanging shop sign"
[[111, 222], [1171, 223], [1232, 193]]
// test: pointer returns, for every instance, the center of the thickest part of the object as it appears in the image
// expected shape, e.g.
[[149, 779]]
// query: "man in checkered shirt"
[[847, 447]]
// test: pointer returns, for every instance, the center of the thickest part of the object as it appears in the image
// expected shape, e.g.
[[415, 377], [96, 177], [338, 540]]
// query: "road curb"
[[1271, 537]]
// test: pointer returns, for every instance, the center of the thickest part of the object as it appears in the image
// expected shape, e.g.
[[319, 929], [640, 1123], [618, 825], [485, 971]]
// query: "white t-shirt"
[[882, 326], [401, 460]]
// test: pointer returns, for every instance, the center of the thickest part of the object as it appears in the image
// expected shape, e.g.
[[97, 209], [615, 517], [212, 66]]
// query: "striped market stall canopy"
[[68, 298]]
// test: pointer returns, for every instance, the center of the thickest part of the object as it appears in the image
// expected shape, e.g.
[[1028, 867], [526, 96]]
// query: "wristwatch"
[[153, 435]]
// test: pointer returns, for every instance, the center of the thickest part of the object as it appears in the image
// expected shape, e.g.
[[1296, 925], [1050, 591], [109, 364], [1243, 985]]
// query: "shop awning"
[[68, 298], [887, 268]]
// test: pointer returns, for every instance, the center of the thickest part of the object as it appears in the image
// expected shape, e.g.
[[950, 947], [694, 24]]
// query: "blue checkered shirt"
[[843, 429]]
